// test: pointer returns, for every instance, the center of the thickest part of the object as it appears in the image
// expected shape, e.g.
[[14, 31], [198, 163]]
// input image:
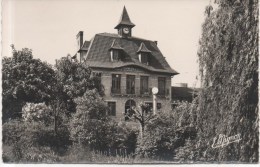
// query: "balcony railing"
[[137, 91], [164, 93], [130, 91]]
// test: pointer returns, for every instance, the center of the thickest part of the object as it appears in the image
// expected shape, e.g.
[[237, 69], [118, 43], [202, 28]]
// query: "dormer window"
[[116, 55], [144, 58], [144, 54], [116, 51]]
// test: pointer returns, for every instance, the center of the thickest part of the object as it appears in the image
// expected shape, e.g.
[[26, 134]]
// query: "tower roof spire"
[[124, 20]]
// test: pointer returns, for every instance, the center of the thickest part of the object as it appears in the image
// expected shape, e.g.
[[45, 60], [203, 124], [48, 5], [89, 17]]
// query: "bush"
[[91, 127], [167, 132], [124, 138], [188, 153], [32, 142], [90, 106], [37, 112]]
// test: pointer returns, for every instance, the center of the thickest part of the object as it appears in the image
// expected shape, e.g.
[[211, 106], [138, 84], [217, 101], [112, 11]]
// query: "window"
[[116, 83], [96, 78], [143, 58], [130, 84], [111, 108], [116, 55], [161, 85], [144, 85], [129, 106]]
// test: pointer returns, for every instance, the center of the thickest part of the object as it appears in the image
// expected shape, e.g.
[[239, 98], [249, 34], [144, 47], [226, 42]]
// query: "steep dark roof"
[[98, 54], [85, 46], [115, 45], [143, 48], [124, 19]]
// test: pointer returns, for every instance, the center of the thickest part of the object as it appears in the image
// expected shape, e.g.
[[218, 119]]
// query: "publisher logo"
[[223, 140]]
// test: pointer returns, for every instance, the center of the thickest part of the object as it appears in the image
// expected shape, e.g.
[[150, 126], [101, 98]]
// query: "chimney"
[[156, 42], [79, 39]]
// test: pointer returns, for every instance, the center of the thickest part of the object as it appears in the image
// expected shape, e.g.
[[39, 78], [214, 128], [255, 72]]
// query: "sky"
[[49, 27]]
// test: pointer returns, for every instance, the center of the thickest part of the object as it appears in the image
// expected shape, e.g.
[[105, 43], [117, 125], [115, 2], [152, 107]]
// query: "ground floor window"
[[129, 106], [111, 108]]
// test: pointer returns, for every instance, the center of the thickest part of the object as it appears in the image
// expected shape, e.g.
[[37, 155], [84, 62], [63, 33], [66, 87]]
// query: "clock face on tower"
[[126, 30]]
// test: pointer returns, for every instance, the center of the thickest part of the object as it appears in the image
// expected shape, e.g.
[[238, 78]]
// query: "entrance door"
[[128, 106]]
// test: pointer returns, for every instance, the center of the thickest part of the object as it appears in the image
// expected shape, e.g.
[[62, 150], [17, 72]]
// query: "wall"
[[106, 80]]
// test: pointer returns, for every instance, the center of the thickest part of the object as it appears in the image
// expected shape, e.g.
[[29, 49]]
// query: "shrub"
[[167, 132], [188, 153], [33, 142], [37, 112], [91, 127], [90, 106], [25, 140]]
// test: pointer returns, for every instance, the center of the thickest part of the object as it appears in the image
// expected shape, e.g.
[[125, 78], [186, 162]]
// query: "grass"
[[75, 154]]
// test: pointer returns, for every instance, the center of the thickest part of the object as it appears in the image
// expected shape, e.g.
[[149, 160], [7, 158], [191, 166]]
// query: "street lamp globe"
[[155, 90]]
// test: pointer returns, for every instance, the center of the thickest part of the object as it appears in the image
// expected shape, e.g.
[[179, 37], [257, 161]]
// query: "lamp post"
[[154, 91]]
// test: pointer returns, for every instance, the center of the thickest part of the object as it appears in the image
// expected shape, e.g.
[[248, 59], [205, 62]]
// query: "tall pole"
[[154, 91], [154, 104]]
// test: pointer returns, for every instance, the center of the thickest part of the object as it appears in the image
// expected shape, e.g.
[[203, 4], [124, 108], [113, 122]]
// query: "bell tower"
[[124, 27]]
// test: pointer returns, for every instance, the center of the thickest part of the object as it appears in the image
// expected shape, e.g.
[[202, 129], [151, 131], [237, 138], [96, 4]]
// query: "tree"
[[228, 57], [25, 79], [143, 114], [89, 107], [73, 76], [91, 126], [72, 80]]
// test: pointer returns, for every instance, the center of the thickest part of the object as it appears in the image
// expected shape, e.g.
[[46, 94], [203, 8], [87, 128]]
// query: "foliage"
[[124, 138], [24, 79], [74, 77], [166, 132], [91, 126], [88, 125], [72, 80], [188, 153], [37, 113], [22, 137], [105, 136], [32, 142], [228, 57], [79, 154], [95, 83], [91, 105], [142, 114]]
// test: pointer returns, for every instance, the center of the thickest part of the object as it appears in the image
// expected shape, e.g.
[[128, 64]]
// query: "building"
[[184, 93], [129, 67]]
